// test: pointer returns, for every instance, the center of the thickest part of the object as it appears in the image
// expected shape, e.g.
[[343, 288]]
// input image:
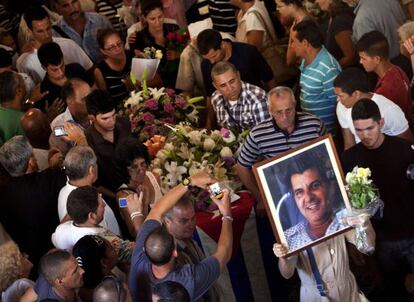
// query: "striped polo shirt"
[[223, 15], [317, 95], [267, 139], [110, 11]]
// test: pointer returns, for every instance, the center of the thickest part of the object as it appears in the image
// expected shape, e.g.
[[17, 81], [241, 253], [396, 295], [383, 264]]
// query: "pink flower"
[[150, 130], [133, 124], [147, 117], [169, 108], [151, 104], [168, 120], [180, 102], [170, 92], [225, 132]]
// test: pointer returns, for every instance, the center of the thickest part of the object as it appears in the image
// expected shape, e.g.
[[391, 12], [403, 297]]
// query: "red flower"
[[171, 36]]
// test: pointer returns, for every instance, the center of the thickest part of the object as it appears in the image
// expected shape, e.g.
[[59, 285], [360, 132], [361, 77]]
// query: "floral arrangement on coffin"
[[190, 150], [365, 201], [150, 108]]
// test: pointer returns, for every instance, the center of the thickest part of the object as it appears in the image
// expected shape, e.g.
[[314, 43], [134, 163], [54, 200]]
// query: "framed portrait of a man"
[[304, 194]]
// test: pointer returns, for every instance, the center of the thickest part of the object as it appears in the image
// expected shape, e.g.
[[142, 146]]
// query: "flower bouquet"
[[150, 108], [190, 150], [175, 41], [148, 62], [365, 202]]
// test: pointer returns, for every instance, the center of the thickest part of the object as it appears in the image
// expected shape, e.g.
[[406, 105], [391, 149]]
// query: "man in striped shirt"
[[237, 104], [318, 71], [287, 129]]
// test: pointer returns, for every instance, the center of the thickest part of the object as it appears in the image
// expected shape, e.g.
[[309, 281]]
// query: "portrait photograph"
[[304, 194]]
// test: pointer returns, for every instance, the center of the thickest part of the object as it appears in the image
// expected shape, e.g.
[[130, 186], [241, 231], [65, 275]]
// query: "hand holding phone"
[[59, 131], [216, 190]]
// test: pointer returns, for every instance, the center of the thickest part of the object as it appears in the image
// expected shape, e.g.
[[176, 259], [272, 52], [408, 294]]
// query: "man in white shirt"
[[81, 170], [352, 85], [39, 24]]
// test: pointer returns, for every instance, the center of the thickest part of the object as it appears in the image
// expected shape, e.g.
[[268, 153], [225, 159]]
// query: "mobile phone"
[[122, 202], [59, 131], [216, 190]]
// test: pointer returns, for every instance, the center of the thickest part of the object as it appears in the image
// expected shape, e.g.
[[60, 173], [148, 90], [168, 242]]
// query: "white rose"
[[157, 171], [209, 144], [226, 152], [162, 155], [156, 163], [158, 54], [169, 147]]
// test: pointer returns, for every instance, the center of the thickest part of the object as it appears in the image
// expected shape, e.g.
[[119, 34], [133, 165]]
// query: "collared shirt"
[[105, 151], [297, 236], [317, 95], [249, 110], [64, 117], [87, 41], [267, 139]]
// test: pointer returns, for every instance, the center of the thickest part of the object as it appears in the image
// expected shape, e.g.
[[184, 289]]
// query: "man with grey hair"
[[285, 130], [181, 223], [237, 104], [28, 209], [82, 170]]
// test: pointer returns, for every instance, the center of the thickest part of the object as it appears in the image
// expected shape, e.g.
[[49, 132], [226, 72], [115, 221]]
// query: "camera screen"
[[122, 202], [59, 131]]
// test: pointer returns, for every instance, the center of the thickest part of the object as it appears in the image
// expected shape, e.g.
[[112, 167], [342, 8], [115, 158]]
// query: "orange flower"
[[154, 144]]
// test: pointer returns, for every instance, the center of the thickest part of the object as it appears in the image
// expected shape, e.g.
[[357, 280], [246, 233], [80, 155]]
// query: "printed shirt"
[[250, 109]]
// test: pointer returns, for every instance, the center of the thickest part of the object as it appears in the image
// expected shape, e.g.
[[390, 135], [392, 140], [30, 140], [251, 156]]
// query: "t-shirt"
[[9, 124], [196, 279], [394, 121], [109, 221], [388, 164], [73, 70], [317, 95], [249, 62], [341, 22], [29, 63], [67, 234], [395, 86]]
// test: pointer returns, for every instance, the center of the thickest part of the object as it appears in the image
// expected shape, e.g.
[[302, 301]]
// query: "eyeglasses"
[[117, 283], [115, 46]]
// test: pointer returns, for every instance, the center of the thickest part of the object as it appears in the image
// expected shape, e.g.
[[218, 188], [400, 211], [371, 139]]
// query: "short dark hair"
[[6, 59], [81, 202], [170, 291], [298, 3], [35, 13], [374, 43], [351, 80], [51, 265], [103, 34], [10, 81], [149, 5], [365, 109], [50, 54], [208, 39], [89, 252], [128, 149], [99, 102], [308, 30], [159, 246]]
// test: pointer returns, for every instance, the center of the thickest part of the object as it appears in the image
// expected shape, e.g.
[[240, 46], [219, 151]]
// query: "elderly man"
[[287, 129], [80, 26], [237, 104], [82, 170], [181, 223], [38, 22], [74, 93], [155, 252], [318, 70], [390, 160], [28, 208]]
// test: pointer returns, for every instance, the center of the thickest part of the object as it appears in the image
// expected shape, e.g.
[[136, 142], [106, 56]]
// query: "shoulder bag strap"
[[316, 273]]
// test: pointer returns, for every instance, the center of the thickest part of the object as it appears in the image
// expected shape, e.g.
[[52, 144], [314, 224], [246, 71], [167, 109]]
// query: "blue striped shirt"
[[317, 95], [267, 139]]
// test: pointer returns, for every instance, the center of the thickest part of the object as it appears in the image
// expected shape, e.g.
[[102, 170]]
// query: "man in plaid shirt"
[[237, 104]]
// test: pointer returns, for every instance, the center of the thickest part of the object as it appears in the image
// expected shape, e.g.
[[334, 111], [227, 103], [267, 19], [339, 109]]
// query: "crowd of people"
[[83, 217]]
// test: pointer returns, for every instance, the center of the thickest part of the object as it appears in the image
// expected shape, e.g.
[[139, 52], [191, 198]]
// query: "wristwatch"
[[187, 183]]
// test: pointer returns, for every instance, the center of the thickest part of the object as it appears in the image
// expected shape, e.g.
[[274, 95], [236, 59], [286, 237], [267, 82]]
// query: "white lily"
[[134, 100], [176, 172], [156, 93]]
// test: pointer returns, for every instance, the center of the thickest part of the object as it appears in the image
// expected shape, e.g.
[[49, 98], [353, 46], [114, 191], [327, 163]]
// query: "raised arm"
[[225, 243]]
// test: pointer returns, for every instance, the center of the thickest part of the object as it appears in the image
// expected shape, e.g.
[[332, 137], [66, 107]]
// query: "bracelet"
[[136, 214], [228, 217]]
